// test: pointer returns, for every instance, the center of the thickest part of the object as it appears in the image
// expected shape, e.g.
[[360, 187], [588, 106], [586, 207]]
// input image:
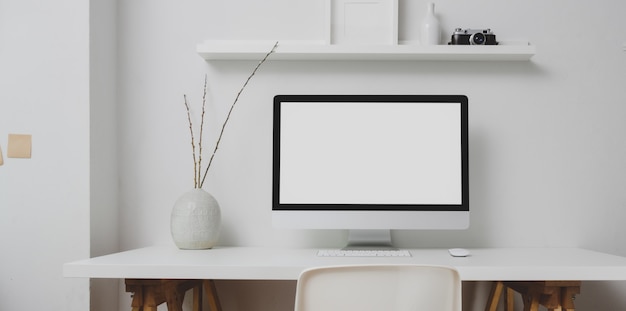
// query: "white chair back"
[[379, 288]]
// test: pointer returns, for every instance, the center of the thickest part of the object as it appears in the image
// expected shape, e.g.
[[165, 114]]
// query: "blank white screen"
[[370, 153]]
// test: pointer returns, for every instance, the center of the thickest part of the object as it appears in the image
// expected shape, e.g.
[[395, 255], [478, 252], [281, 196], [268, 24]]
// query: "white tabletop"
[[249, 263]]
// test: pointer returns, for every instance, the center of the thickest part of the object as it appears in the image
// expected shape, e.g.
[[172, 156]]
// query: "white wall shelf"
[[255, 50]]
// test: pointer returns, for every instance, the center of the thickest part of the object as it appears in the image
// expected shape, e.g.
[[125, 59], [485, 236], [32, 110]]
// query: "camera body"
[[473, 37]]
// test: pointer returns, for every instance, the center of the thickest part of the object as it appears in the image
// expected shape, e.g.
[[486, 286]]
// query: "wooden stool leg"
[[150, 301], [174, 294], [553, 295], [551, 298], [509, 299], [211, 294], [568, 294], [137, 303], [197, 298], [531, 301], [494, 296]]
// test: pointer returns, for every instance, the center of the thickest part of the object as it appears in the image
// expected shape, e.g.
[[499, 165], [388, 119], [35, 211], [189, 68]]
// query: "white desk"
[[245, 263], [163, 274]]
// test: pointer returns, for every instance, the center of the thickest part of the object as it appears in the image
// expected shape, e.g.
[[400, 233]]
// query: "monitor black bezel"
[[461, 99]]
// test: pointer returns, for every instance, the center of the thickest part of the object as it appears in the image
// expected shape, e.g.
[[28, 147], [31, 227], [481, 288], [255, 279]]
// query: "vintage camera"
[[473, 37]]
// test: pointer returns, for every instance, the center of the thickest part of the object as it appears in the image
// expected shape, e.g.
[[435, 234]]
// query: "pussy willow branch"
[[196, 173], [219, 139], [199, 170]]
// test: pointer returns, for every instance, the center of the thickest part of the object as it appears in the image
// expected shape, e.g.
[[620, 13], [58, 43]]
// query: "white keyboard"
[[363, 253]]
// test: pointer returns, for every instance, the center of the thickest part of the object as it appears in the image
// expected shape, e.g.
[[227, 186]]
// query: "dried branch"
[[196, 174], [199, 171], [219, 139]]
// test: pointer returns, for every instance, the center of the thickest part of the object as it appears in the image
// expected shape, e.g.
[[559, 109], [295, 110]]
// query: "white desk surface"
[[249, 263]]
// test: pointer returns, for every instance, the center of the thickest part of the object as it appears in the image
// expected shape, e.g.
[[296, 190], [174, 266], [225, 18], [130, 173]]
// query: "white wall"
[[44, 201], [547, 140], [547, 136]]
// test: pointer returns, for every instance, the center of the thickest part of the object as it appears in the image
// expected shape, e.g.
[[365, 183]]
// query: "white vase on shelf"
[[430, 28], [195, 220]]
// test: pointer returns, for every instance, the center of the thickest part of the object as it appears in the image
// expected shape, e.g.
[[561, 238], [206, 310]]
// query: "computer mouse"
[[459, 252]]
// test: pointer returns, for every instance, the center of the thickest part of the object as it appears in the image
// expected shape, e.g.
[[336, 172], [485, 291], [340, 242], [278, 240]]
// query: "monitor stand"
[[369, 239]]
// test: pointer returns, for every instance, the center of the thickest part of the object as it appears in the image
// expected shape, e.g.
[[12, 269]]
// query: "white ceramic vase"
[[431, 30], [195, 220]]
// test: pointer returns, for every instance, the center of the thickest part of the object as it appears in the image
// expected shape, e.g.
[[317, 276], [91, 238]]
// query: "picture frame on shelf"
[[362, 22]]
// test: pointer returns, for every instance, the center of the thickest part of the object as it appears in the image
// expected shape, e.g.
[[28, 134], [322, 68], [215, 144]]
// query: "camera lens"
[[477, 39]]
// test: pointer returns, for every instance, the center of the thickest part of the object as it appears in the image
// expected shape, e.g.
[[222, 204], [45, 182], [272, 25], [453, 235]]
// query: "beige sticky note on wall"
[[1, 161], [19, 146]]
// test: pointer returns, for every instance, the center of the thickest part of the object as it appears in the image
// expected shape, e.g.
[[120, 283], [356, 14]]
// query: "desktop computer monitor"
[[370, 164]]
